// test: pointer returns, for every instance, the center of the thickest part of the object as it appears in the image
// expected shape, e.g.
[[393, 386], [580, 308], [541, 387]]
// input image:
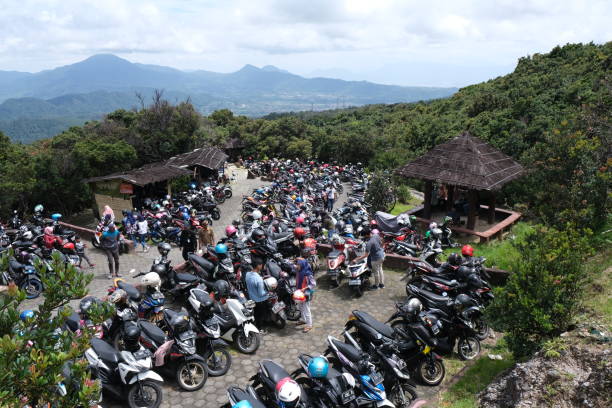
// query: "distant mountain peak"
[[272, 68], [249, 68], [105, 58]]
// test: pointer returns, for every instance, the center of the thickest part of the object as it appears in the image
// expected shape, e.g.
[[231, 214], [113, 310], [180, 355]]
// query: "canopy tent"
[[467, 162]]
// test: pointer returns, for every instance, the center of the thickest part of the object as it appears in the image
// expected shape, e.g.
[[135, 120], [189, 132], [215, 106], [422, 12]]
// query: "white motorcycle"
[[358, 275], [236, 320], [125, 372]]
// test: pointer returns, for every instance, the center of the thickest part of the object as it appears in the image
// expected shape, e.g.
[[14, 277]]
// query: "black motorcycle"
[[25, 277]]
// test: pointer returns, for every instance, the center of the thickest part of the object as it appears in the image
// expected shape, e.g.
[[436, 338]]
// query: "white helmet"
[[257, 214], [433, 225], [271, 283], [28, 235], [39, 208], [151, 279], [288, 391]]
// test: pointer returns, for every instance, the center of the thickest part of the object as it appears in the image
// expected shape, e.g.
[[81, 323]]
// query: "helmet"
[[298, 199], [474, 281], [186, 216], [151, 279], [118, 296], [131, 337], [259, 191], [56, 216], [256, 214], [462, 301], [299, 232], [271, 283], [464, 272], [258, 234], [288, 392], [293, 197], [454, 259], [86, 304], [164, 248], [235, 223], [69, 245], [375, 231], [39, 208], [158, 269], [413, 307], [299, 220], [310, 243], [373, 223], [433, 225], [318, 367], [467, 250], [26, 314], [220, 249], [124, 212], [221, 289], [436, 233], [230, 231], [447, 219], [242, 404], [299, 296]]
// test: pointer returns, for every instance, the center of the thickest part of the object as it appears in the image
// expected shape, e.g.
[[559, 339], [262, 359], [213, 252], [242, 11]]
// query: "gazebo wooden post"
[[473, 209], [491, 213], [451, 197], [427, 199]]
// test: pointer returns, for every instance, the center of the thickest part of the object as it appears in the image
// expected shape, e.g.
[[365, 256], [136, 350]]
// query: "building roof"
[[150, 173], [465, 161], [234, 143], [210, 157]]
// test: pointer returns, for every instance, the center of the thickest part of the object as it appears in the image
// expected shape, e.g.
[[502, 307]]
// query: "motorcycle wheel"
[[401, 395], [246, 345], [145, 393], [228, 193], [468, 348], [220, 198], [431, 373], [95, 243], [33, 287], [156, 239], [219, 361], [280, 321], [482, 328], [215, 215], [191, 375], [293, 312]]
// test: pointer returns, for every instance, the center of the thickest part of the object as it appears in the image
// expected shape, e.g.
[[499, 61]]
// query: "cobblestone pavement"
[[330, 310]]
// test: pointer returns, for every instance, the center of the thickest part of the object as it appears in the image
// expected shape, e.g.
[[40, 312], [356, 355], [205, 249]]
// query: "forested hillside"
[[552, 114]]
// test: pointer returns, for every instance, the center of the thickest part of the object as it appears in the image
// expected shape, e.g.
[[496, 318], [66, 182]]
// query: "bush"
[[380, 194], [403, 194], [544, 291]]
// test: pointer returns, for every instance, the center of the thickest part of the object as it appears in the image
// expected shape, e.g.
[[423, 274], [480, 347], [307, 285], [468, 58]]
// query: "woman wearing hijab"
[[108, 211], [307, 283]]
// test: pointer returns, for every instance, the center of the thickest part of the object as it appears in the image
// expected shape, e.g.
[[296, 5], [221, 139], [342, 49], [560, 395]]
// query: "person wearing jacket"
[[305, 281], [110, 243]]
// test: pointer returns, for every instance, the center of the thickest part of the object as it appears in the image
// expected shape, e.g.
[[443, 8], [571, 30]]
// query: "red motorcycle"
[[337, 258]]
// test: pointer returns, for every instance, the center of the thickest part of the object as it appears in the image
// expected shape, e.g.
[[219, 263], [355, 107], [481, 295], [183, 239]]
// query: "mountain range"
[[38, 105]]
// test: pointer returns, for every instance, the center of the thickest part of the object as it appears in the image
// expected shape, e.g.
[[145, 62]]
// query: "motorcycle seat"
[[334, 254], [444, 280], [106, 352], [436, 299], [202, 262], [348, 350], [186, 277], [238, 394], [131, 290], [281, 236], [273, 370], [377, 325], [153, 332], [16, 266]]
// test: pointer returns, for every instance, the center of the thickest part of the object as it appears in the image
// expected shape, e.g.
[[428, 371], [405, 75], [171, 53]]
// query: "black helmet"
[[86, 304], [454, 259], [464, 272], [462, 301], [221, 289], [164, 248], [159, 269], [235, 223], [474, 281], [131, 337], [258, 234], [413, 308], [124, 212]]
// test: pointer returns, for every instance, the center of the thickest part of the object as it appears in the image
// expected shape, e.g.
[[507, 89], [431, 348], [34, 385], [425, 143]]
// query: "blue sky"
[[403, 42]]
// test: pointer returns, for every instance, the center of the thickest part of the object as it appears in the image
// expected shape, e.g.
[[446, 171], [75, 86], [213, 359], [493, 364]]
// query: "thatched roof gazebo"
[[467, 162]]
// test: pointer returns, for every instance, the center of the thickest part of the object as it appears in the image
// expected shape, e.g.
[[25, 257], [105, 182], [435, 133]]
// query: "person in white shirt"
[[142, 227]]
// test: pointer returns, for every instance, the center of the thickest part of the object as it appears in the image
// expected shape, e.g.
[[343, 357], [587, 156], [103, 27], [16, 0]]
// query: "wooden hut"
[[465, 162], [203, 162]]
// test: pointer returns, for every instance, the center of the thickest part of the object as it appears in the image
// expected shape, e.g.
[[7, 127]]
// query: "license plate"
[[354, 282], [278, 307], [347, 396], [376, 378]]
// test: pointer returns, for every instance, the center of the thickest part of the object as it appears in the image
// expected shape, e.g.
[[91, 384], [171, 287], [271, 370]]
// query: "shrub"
[[544, 291], [380, 194], [403, 194]]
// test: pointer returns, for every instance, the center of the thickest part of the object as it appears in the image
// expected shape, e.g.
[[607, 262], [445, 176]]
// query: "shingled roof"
[[150, 173], [465, 161], [210, 157]]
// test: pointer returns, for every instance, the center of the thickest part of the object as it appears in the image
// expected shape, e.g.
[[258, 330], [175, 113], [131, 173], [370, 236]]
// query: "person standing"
[[110, 243], [257, 292], [331, 196], [206, 235], [376, 254], [188, 241], [142, 227], [305, 282]]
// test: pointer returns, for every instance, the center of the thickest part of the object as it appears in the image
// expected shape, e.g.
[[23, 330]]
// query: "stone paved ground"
[[330, 311]]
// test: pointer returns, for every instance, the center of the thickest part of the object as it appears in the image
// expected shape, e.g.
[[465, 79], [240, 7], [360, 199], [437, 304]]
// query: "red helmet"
[[299, 296], [69, 245], [299, 220], [299, 232], [373, 223], [467, 250], [310, 243]]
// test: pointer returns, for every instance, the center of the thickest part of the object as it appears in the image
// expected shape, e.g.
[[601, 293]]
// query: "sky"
[[404, 42]]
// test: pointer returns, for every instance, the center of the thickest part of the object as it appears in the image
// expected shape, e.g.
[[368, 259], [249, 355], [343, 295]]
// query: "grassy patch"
[[463, 393], [400, 207], [598, 301]]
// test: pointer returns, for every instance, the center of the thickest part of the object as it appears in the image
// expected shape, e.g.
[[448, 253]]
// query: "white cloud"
[[361, 36]]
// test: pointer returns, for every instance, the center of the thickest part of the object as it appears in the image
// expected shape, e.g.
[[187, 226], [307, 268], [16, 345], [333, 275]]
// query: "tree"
[[380, 194], [33, 353], [545, 290]]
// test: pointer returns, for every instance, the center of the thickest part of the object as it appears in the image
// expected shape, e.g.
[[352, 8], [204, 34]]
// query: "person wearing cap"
[[376, 253]]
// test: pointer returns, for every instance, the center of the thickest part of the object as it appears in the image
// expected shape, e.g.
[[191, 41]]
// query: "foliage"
[[545, 290], [403, 194], [32, 354], [380, 194]]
